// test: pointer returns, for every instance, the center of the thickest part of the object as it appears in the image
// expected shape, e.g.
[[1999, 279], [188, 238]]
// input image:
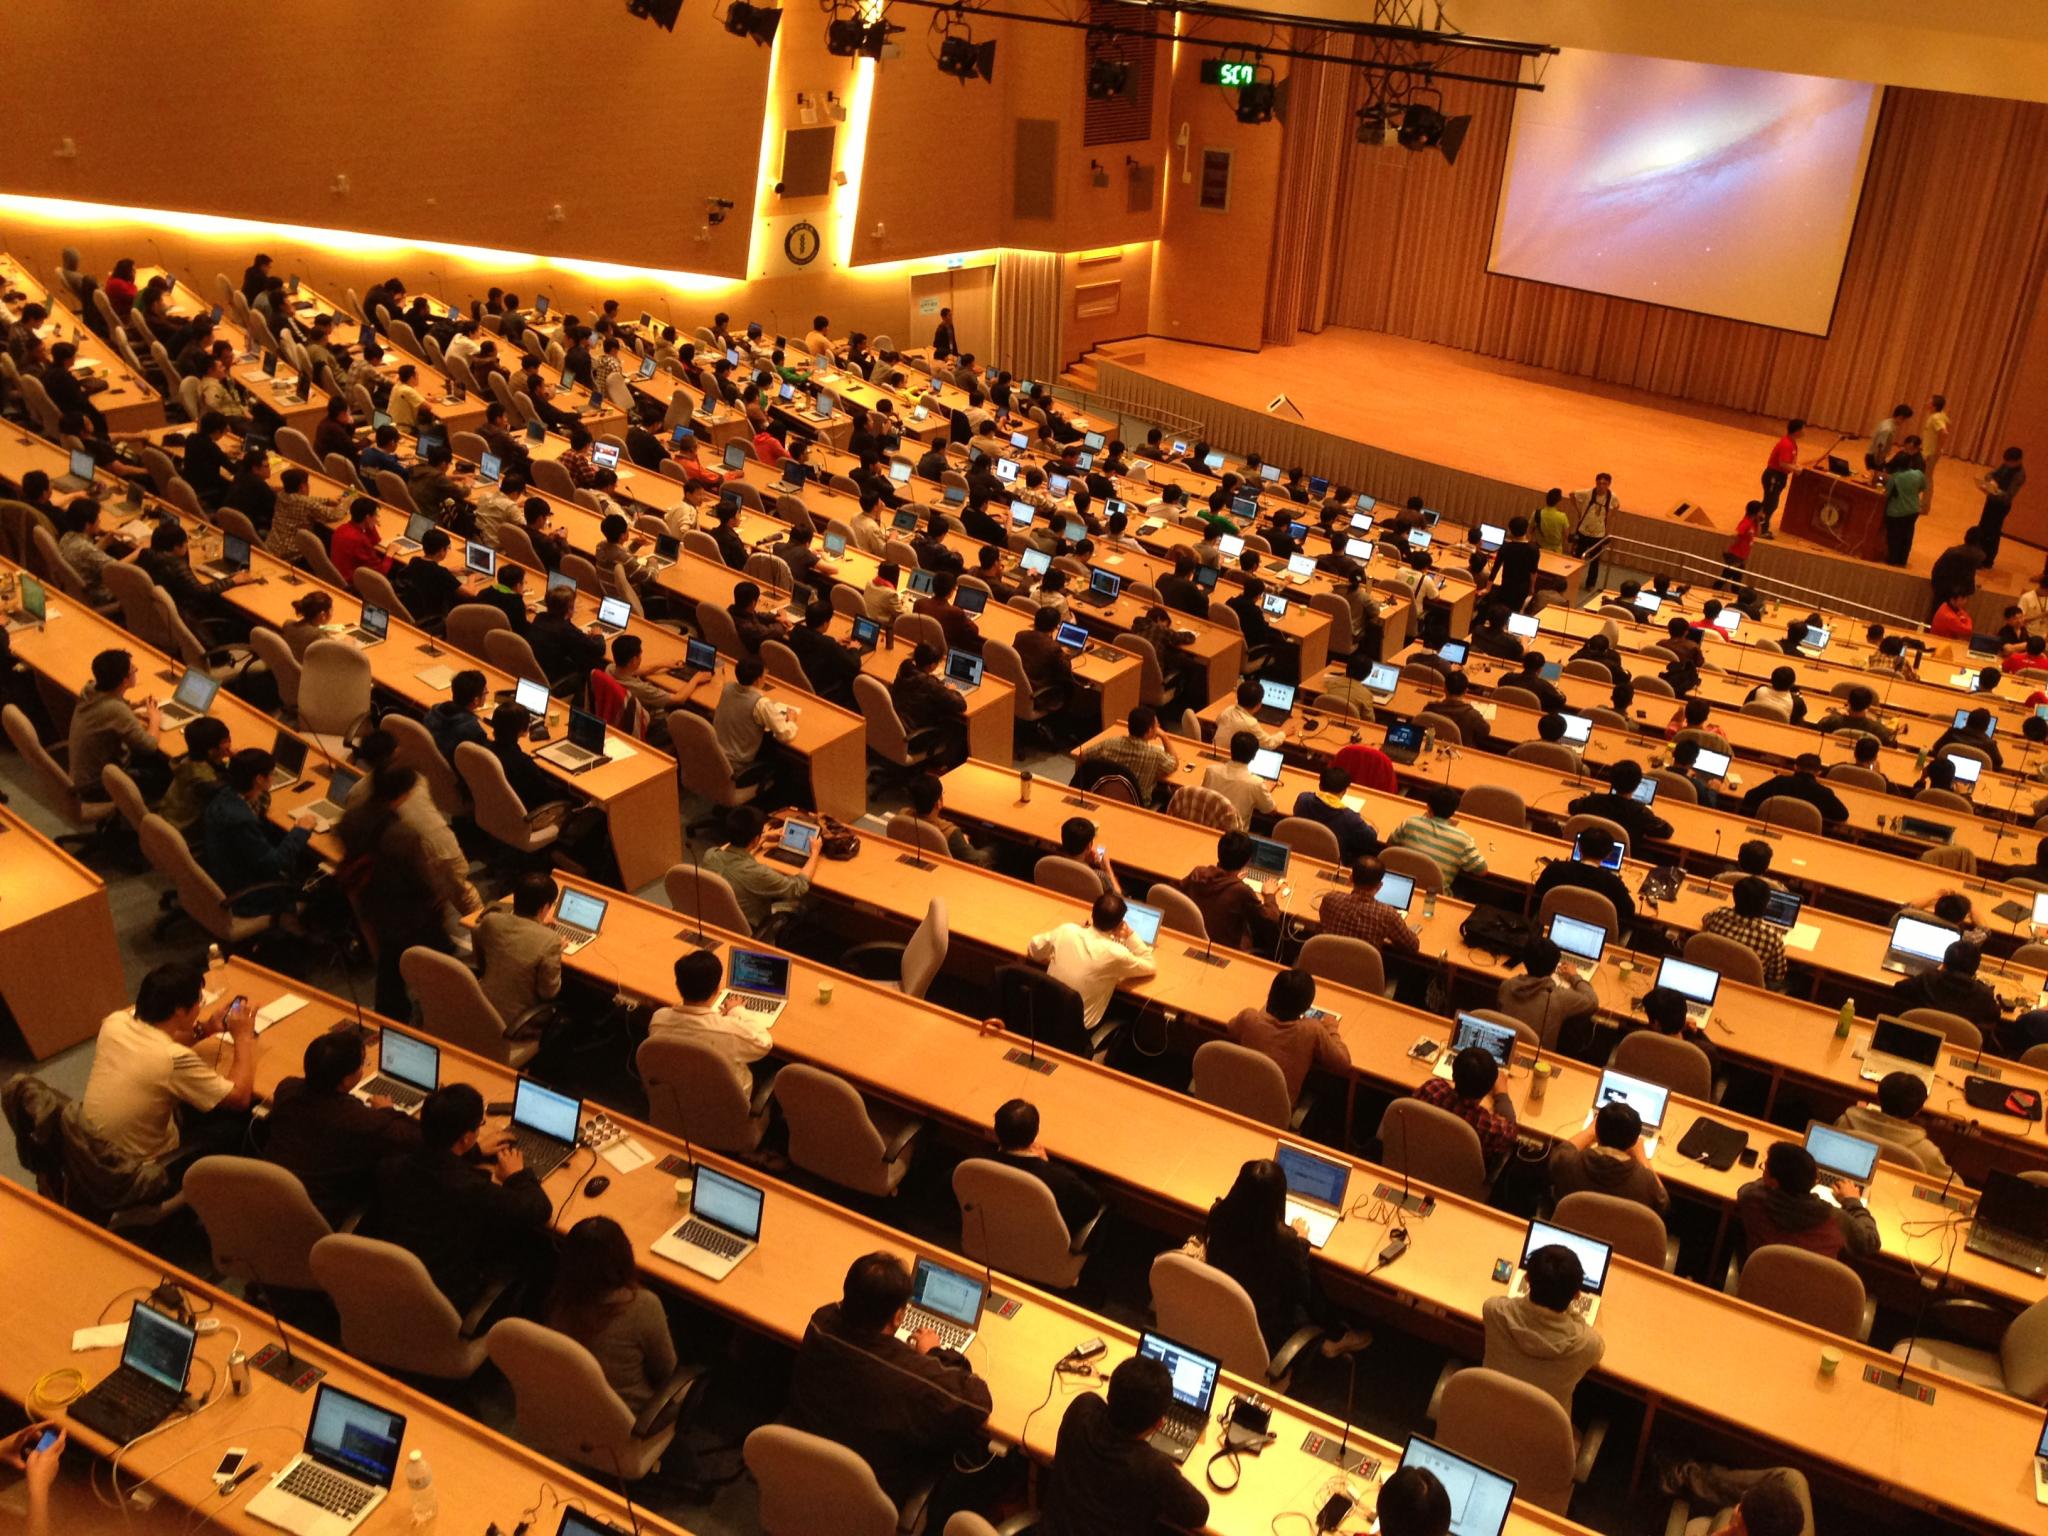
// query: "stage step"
[[1080, 376]]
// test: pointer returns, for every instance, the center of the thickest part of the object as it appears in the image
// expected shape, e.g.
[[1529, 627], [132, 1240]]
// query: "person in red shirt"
[[1778, 472], [768, 448], [355, 542], [2030, 657], [1952, 621], [1369, 767], [1736, 556]]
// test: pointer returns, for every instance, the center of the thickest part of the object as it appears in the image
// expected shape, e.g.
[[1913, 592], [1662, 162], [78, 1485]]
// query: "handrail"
[[1707, 571]]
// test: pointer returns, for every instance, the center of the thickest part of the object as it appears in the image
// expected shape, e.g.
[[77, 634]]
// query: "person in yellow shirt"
[[1934, 434], [1553, 523]]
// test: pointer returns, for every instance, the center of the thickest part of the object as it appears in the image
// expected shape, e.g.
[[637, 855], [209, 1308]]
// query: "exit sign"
[[1233, 74]]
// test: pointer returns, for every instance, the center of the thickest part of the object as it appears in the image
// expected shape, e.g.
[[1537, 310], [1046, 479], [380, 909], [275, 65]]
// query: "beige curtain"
[[1028, 314], [1311, 162], [1945, 267]]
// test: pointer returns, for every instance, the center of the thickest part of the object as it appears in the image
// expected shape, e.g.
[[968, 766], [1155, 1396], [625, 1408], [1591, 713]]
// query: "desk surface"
[[52, 906]]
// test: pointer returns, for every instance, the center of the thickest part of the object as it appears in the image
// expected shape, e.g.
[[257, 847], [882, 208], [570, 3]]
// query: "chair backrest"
[[2023, 1354], [1427, 874], [1353, 963], [562, 1403], [1790, 811], [468, 623], [283, 666], [700, 761], [1547, 754], [1793, 1282], [1202, 1307], [925, 955], [126, 795], [830, 1131], [784, 665], [499, 811], [1516, 1428], [199, 895], [516, 544], [1858, 777], [1674, 786], [1945, 799], [1010, 1221], [1070, 877], [1631, 1228], [392, 1313], [1177, 914], [1310, 839], [716, 625], [1735, 961], [810, 1484], [53, 784], [416, 750], [1955, 856], [509, 651], [373, 586], [1494, 802], [1678, 1064], [297, 447], [886, 735], [1435, 1146], [1204, 807], [1033, 1004], [260, 1221], [691, 1092], [452, 1005], [1576, 901], [136, 593], [334, 687], [1243, 1081], [1956, 1029]]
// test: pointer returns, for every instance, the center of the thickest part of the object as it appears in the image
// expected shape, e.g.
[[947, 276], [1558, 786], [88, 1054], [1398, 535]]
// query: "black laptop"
[[147, 1386], [2011, 1222]]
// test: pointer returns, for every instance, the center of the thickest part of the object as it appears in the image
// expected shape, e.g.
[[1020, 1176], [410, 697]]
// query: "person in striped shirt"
[[1434, 837]]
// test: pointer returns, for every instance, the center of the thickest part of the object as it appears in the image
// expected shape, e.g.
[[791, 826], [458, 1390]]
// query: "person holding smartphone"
[[34, 1452]]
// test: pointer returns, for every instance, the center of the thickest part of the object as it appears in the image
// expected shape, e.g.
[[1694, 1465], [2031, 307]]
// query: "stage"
[[1484, 438]]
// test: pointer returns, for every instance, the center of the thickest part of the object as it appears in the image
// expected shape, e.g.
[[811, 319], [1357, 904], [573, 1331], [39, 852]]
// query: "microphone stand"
[[700, 938], [276, 1360], [1897, 1381], [916, 860], [1029, 1058]]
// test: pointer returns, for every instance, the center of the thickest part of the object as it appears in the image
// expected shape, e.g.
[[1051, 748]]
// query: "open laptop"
[[328, 809], [970, 599], [580, 918], [33, 602], [1480, 1497], [288, 759], [613, 615], [191, 699], [724, 1225], [1579, 939], [1489, 536], [78, 476], [1073, 636], [543, 1126], [1395, 891], [1645, 792], [232, 560], [347, 1467], [759, 982], [963, 671], [1967, 771], [1269, 859], [798, 837], [1266, 764], [1381, 679], [947, 1302], [149, 1383], [408, 1069], [1593, 1257], [2041, 1467], [1838, 1155], [1710, 764], [373, 628], [1497, 1040], [1578, 729], [2011, 1224], [1962, 721], [581, 748], [1611, 861], [1452, 653], [1523, 625], [1144, 921], [1300, 568], [480, 559], [1695, 983], [1896, 1046], [1403, 742], [418, 524], [1194, 1390], [1646, 1098], [1782, 909], [1103, 587], [1273, 605], [1917, 944], [1316, 1189]]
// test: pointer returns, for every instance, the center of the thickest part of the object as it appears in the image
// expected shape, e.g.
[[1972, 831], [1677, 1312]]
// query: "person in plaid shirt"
[[1745, 923], [1359, 913], [1142, 752], [1473, 1075]]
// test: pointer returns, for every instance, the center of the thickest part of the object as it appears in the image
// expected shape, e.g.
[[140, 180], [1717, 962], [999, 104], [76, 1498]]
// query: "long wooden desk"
[[129, 402], [60, 969]]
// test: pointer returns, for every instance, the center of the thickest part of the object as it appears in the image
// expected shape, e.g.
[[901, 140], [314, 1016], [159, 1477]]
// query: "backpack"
[[1496, 931]]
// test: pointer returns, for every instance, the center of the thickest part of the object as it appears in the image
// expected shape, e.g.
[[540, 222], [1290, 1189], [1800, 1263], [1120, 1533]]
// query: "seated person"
[[599, 1302], [1325, 804], [243, 848], [1586, 872], [1248, 1237], [1552, 998], [331, 1139], [150, 1094], [1106, 1479], [1094, 957], [1232, 911], [927, 805], [1894, 1120], [1235, 781], [766, 891], [1018, 1147], [1360, 914], [1284, 1032], [519, 949], [1802, 783], [1474, 1075], [1616, 804], [1744, 923], [697, 1017], [1607, 1157], [1953, 987], [1781, 1207], [1535, 1337]]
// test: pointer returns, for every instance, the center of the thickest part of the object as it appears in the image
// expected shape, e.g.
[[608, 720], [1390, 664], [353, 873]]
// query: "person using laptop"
[[456, 719], [1858, 712], [1953, 987], [467, 1218], [1781, 693], [1617, 804], [311, 615], [1780, 1206], [1535, 1336], [243, 848], [1178, 588], [1094, 957], [295, 511], [962, 634], [1586, 871], [1608, 1158], [1743, 922], [519, 951], [926, 704], [766, 890], [1018, 1147], [1413, 1502], [1248, 1237], [89, 549], [358, 543], [565, 650], [414, 880], [1894, 1120], [1325, 804], [1105, 1478], [645, 713], [1285, 1032], [1975, 731], [1359, 913], [1456, 706], [1233, 913], [1472, 1095], [334, 1141], [1803, 782], [1047, 665], [426, 583], [701, 1018], [830, 664], [746, 720], [1530, 679], [598, 1300], [107, 728], [199, 776], [903, 1407], [1552, 998], [150, 1094], [1235, 781], [1242, 714], [1438, 839], [168, 560]]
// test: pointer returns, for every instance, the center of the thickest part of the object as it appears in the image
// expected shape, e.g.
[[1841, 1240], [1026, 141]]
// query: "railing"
[[1706, 571]]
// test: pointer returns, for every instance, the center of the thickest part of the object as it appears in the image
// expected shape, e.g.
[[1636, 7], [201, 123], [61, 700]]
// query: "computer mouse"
[[597, 1186]]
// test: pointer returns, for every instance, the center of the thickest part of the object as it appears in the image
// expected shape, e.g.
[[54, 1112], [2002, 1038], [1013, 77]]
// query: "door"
[[969, 292]]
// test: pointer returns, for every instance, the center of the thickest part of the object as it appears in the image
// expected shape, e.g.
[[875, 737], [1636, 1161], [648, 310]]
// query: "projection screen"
[[1727, 191]]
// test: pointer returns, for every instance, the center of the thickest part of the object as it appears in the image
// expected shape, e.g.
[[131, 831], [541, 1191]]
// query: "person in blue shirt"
[[1325, 803], [383, 453], [243, 849], [454, 720]]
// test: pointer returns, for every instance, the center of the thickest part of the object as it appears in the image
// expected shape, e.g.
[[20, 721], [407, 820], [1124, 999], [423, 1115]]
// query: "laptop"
[[78, 477], [149, 1383], [1144, 921], [1962, 720], [1593, 1257], [1645, 792], [533, 697], [1523, 625], [1646, 1098], [1194, 1389], [1403, 743], [1480, 1497], [1917, 944], [348, 1465], [1452, 653], [580, 918], [1839, 1155], [327, 810], [1299, 569], [1896, 1046], [1382, 678], [1710, 764], [759, 982], [233, 560], [1578, 729], [1695, 983], [1316, 1189], [1274, 605], [947, 1302], [1418, 538], [1782, 909], [1073, 636], [479, 558], [581, 749], [192, 698], [2041, 1468], [1276, 702], [418, 523], [867, 634], [1611, 861], [288, 760], [1648, 602], [1497, 1040], [1816, 639], [1578, 938], [1266, 764], [723, 1228], [1103, 587], [613, 615], [798, 838], [543, 1126], [1395, 891], [1269, 858], [1490, 537], [372, 628], [408, 1069], [920, 582], [1967, 771], [1205, 577], [971, 600], [34, 599], [2011, 1226], [1230, 545]]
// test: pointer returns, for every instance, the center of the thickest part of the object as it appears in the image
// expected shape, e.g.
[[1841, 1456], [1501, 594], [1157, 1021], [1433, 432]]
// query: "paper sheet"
[[1802, 936], [437, 678], [626, 1154], [107, 1336]]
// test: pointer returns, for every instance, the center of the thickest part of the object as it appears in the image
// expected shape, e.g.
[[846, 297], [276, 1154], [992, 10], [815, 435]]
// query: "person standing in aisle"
[[1999, 486], [1778, 473], [1934, 435]]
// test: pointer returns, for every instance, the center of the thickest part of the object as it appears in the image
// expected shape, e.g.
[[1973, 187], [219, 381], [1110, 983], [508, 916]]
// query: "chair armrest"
[[1283, 1357], [1967, 1322], [911, 1517], [1086, 1235], [526, 1023], [674, 1390], [877, 960], [1590, 1441], [894, 1148], [473, 1319], [350, 1222], [764, 1091], [262, 888]]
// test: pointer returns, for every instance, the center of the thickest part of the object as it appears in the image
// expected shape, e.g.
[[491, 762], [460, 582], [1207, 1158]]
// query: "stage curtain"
[[1028, 313], [1311, 161], [1945, 267]]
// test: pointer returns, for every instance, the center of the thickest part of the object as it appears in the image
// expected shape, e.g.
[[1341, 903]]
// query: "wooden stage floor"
[[1489, 417]]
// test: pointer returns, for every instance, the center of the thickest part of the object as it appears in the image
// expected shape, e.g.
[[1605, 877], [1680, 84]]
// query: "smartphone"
[[1423, 1050], [1502, 1269], [1335, 1512], [1747, 1157], [230, 1463], [47, 1439]]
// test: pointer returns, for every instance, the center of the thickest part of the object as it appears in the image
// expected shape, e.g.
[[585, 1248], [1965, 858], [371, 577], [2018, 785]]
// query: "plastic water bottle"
[[419, 1477], [1845, 1019]]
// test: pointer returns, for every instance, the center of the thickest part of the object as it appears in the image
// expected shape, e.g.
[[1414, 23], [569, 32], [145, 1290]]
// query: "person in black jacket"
[[1179, 589], [1586, 873], [925, 703], [525, 777], [429, 586], [1532, 680], [1248, 1237], [1617, 803], [1515, 566], [1953, 987], [830, 664], [205, 465], [1259, 634], [466, 1219], [1016, 1127], [559, 643], [979, 523], [506, 593], [1802, 783], [1105, 1478], [332, 1140]]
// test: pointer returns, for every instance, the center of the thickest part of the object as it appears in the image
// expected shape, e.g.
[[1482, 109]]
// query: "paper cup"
[[1830, 1361], [824, 991]]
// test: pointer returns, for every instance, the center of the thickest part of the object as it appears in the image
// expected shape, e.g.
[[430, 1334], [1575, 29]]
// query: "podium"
[[1841, 515]]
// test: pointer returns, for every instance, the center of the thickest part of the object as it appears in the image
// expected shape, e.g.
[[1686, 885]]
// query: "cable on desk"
[[40, 1396]]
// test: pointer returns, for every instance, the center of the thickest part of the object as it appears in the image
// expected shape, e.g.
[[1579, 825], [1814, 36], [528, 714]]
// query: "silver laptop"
[[408, 1069], [1896, 1046], [1316, 1188], [79, 473], [1839, 1155], [192, 698], [580, 918], [1593, 1257], [1646, 1098], [759, 983], [373, 627], [1577, 938], [347, 1467], [723, 1228], [947, 1302], [1917, 944], [1497, 1040], [582, 747], [1480, 1497], [328, 809], [1695, 983], [416, 526]]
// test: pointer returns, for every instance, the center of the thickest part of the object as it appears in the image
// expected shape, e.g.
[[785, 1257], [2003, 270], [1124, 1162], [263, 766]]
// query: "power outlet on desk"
[[1333, 877], [1980, 1068], [914, 861], [1324, 1448], [1892, 1381], [289, 1369], [1028, 1061], [1005, 1307], [1080, 800], [1412, 1203], [1936, 1197]]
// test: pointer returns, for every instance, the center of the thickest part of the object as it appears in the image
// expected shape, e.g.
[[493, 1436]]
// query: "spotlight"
[[1376, 127], [1100, 173], [1424, 127], [756, 21], [963, 58], [1108, 78], [848, 37], [1255, 102], [663, 13]]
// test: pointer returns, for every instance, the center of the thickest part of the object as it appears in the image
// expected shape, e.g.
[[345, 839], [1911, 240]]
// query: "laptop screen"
[[580, 909], [1577, 937], [1967, 768], [341, 783], [797, 837], [1910, 1042], [1963, 719], [614, 613], [1837, 1152], [1592, 1255], [1103, 583], [376, 620], [1383, 677], [1073, 636], [480, 558], [159, 1346], [289, 752], [1646, 1098], [1816, 639], [1497, 1040], [1395, 891], [755, 970], [866, 631], [1194, 1376], [586, 730], [409, 1059], [1480, 1497], [948, 1292], [1695, 982], [1359, 549], [1783, 907], [196, 690], [1269, 857], [1266, 764], [970, 599], [1231, 545], [1491, 536], [1611, 861], [489, 466], [1037, 561], [1711, 764], [1311, 1177], [1404, 737], [2013, 1204], [1926, 941], [1523, 624], [1300, 565], [417, 527], [1453, 651], [531, 696], [355, 1436], [1645, 792], [542, 1109], [1649, 602], [1274, 604], [1276, 695], [1577, 728], [720, 1198], [1144, 920]]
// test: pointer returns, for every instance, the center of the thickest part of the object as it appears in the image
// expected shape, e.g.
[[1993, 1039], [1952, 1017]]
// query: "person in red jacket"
[[1952, 620], [356, 542]]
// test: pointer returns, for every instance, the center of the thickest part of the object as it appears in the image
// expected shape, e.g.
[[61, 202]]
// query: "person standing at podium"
[[1884, 434], [1778, 473]]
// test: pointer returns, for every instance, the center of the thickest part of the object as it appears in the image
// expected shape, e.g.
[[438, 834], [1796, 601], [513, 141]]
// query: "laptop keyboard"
[[543, 1154], [398, 1093], [130, 1394], [950, 1333], [757, 1004], [2009, 1248], [343, 1496], [1182, 1426], [699, 1234]]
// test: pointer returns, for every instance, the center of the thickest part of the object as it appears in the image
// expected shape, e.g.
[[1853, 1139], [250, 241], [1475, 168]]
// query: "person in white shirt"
[[726, 1030], [1243, 715], [1093, 957], [2033, 607], [1235, 781], [463, 345], [144, 1068], [817, 343]]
